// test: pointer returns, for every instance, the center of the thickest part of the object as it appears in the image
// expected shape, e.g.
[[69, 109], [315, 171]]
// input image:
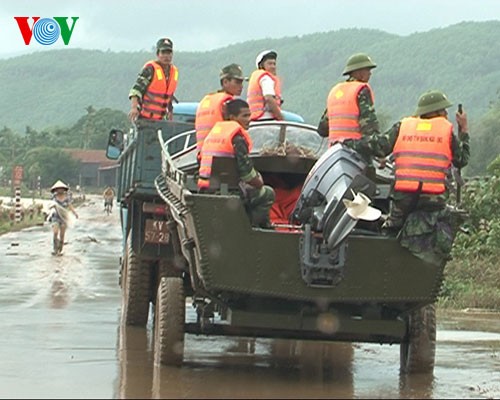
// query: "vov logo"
[[46, 30]]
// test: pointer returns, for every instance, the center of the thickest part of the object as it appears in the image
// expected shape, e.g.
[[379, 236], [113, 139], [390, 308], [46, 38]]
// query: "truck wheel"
[[136, 288], [418, 350], [170, 313]]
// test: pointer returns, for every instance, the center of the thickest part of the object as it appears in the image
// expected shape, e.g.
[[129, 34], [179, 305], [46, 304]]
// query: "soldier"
[[350, 114], [152, 94], [231, 139], [211, 107], [424, 148], [264, 89]]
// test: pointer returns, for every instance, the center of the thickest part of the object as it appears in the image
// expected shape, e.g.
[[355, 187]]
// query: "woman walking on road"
[[58, 216]]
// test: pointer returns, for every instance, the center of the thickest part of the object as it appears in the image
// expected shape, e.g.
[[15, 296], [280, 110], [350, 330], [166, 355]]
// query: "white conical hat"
[[59, 185], [359, 208]]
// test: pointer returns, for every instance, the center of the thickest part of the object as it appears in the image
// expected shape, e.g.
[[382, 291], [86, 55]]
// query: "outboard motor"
[[334, 197]]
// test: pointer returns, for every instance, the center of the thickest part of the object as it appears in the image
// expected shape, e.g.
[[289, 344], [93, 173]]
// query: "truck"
[[142, 215], [324, 276], [148, 250]]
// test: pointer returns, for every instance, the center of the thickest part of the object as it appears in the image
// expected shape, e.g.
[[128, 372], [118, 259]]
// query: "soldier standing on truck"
[[264, 89], [424, 148], [152, 94], [230, 138], [350, 116], [211, 107]]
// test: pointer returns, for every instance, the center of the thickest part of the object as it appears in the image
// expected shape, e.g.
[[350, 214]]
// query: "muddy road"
[[61, 338]]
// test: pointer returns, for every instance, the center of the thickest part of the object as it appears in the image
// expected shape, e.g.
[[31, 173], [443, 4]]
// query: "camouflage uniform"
[[429, 235], [368, 124], [383, 144], [144, 80], [257, 201], [426, 225]]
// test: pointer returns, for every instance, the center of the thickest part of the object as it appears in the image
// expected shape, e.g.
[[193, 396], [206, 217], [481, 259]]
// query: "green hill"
[[53, 88]]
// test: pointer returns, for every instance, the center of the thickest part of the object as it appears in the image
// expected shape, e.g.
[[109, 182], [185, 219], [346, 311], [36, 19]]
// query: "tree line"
[[46, 92], [42, 152]]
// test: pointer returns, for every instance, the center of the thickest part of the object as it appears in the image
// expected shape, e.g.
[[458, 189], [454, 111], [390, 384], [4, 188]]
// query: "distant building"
[[95, 169]]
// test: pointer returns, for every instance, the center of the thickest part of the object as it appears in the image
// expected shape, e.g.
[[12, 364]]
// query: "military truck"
[[148, 248], [142, 211], [324, 276]]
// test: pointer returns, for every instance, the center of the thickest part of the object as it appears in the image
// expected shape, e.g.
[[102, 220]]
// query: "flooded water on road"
[[61, 338]]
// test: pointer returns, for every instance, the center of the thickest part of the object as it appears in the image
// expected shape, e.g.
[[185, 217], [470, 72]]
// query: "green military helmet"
[[430, 101], [232, 71], [358, 61]]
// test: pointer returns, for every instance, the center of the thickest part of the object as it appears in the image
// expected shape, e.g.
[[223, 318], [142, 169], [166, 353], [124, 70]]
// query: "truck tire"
[[417, 351], [136, 288], [170, 314]]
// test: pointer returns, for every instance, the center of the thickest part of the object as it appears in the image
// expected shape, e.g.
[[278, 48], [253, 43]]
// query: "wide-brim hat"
[[359, 208], [358, 61], [432, 101], [59, 185]]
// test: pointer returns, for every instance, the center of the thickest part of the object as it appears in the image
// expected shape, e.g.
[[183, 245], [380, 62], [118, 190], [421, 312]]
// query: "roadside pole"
[[17, 178], [18, 205]]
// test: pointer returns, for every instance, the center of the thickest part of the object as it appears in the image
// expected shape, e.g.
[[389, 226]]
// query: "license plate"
[[156, 232]]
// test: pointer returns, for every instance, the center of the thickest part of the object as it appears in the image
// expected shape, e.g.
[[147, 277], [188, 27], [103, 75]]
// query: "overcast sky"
[[200, 25]]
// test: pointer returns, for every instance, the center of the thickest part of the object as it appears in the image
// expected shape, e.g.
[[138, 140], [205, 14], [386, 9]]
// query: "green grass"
[[26, 223], [472, 282]]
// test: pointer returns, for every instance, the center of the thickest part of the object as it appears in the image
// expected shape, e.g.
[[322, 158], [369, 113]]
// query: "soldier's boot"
[[260, 204], [391, 227], [261, 220], [394, 222]]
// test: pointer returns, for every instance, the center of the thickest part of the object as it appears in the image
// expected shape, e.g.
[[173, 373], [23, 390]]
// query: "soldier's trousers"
[[404, 204], [258, 204], [398, 210]]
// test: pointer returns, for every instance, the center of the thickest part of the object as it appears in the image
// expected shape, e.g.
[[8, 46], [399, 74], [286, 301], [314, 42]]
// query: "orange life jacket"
[[343, 111], [255, 98], [159, 92], [208, 113], [219, 143], [423, 155]]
